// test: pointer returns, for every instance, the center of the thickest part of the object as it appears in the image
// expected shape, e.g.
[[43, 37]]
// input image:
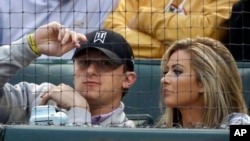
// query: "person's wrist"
[[33, 45]]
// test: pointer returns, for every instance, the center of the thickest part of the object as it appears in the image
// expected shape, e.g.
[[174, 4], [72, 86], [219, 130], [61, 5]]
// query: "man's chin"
[[91, 96]]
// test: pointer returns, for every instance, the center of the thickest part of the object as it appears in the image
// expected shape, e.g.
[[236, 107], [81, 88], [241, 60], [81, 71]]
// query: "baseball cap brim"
[[116, 59]]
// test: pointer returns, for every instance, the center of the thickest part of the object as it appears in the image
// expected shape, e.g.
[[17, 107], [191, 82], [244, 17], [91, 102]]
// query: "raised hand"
[[54, 39]]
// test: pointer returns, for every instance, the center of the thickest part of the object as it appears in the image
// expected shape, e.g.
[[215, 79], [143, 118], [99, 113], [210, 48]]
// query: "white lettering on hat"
[[100, 36]]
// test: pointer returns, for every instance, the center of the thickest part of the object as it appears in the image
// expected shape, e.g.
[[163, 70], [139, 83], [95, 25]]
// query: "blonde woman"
[[201, 87]]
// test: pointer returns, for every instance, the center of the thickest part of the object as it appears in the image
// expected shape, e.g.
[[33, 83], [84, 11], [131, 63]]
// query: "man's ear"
[[130, 78]]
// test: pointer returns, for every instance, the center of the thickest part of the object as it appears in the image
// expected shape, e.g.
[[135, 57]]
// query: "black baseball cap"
[[112, 44]]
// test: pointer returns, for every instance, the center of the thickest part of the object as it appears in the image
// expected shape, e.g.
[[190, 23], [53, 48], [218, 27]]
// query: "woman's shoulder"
[[235, 119]]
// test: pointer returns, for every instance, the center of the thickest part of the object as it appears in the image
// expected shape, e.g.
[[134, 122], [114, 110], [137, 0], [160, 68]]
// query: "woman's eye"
[[177, 72], [164, 73]]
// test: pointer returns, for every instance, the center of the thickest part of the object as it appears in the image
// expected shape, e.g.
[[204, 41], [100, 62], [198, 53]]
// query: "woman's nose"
[[165, 78]]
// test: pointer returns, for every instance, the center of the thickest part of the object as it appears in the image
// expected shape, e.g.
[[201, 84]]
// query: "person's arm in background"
[[144, 46], [17, 100], [166, 26], [158, 28]]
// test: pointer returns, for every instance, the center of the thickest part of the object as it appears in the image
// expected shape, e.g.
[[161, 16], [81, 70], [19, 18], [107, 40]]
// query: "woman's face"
[[180, 86]]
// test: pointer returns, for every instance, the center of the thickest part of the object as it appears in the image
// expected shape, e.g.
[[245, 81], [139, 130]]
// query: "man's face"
[[98, 79]]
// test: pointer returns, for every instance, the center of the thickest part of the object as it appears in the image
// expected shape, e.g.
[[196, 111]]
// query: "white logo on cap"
[[100, 36]]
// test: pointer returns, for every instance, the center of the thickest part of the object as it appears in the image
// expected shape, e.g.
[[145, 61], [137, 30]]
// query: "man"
[[104, 71]]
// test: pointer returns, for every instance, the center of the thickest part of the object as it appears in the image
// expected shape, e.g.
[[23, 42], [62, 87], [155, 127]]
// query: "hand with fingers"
[[54, 39], [65, 97]]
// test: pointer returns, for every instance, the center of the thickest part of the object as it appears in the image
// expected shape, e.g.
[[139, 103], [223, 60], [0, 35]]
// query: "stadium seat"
[[244, 70], [141, 120]]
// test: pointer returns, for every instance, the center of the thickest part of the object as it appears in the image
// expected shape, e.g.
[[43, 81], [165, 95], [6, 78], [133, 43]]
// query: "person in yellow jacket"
[[151, 25]]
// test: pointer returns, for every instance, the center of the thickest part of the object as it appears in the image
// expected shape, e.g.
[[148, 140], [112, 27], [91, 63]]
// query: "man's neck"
[[99, 110]]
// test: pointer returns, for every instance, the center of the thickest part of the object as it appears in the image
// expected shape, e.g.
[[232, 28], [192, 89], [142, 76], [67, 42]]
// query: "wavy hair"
[[217, 71]]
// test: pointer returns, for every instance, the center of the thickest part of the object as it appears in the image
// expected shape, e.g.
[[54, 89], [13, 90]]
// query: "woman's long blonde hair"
[[217, 71]]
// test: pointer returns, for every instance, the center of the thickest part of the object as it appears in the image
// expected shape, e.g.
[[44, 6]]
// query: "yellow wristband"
[[33, 45]]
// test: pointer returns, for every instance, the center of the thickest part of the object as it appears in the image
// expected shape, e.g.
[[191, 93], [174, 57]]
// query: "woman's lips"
[[166, 92]]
